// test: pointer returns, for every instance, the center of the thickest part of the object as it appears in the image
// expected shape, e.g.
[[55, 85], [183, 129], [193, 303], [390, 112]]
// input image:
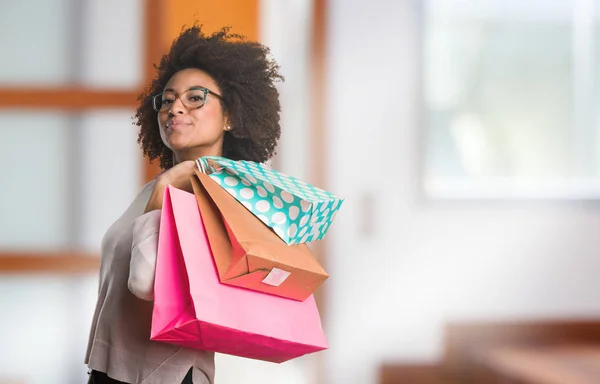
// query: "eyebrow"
[[192, 87]]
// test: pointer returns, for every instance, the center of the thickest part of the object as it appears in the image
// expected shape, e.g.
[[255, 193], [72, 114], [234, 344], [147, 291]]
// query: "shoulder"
[[147, 188], [144, 194]]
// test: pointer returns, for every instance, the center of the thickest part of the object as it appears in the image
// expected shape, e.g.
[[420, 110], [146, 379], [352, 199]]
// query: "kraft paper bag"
[[248, 253]]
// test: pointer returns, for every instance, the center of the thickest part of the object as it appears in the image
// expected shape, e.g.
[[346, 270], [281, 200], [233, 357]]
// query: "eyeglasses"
[[193, 98]]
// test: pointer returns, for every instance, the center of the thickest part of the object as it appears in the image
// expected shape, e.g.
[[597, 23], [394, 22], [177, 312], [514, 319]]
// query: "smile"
[[176, 124]]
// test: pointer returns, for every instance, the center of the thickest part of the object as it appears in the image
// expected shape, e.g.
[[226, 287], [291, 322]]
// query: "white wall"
[[421, 264], [285, 27]]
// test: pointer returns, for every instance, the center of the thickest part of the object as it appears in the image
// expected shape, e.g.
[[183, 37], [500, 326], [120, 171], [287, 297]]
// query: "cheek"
[[161, 118], [209, 119], [162, 121]]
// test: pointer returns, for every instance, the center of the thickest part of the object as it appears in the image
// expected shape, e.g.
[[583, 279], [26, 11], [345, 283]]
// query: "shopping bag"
[[248, 253], [193, 309], [297, 211]]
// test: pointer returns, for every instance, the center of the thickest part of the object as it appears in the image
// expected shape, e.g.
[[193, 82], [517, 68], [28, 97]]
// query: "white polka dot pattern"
[[261, 191], [278, 218], [305, 205], [277, 203], [287, 197], [269, 187], [231, 181], [262, 206], [303, 231], [296, 211], [292, 230], [247, 193], [304, 220]]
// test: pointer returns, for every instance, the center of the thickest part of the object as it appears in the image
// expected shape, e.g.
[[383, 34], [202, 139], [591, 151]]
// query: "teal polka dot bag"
[[297, 211]]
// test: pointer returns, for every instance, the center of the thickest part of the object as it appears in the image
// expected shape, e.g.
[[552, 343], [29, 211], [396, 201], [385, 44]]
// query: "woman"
[[212, 96]]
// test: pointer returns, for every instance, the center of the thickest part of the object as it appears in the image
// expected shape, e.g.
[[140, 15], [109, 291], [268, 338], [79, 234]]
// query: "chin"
[[181, 144], [177, 144], [185, 149]]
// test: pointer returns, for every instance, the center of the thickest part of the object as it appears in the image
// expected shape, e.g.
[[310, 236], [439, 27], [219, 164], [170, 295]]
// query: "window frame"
[[78, 99]]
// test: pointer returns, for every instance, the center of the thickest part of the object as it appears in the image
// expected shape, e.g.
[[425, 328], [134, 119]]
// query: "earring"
[[228, 128]]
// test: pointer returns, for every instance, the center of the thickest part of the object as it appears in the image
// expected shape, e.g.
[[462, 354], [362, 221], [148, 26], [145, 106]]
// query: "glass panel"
[[34, 209], [70, 177], [44, 334], [113, 44], [34, 41], [111, 166], [508, 96]]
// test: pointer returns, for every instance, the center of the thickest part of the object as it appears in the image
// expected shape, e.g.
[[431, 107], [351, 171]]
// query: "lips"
[[174, 124]]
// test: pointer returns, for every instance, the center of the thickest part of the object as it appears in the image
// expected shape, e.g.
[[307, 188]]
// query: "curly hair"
[[246, 76]]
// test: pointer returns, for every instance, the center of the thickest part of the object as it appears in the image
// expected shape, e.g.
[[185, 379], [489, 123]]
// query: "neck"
[[196, 153]]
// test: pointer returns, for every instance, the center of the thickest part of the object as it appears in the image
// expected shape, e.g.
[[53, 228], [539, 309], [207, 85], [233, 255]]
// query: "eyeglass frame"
[[178, 97]]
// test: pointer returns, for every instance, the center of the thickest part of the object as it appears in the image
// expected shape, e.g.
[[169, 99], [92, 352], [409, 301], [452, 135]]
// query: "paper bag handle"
[[203, 165], [200, 165]]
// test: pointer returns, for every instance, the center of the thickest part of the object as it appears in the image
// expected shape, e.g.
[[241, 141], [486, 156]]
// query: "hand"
[[178, 176]]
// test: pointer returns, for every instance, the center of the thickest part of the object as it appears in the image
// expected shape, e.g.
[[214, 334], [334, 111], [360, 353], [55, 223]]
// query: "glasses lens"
[[163, 101], [194, 98]]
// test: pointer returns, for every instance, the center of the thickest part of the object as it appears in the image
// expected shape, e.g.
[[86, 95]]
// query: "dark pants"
[[102, 378]]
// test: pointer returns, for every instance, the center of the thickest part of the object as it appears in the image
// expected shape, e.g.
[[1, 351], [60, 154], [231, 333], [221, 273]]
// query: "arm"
[[143, 255], [144, 248]]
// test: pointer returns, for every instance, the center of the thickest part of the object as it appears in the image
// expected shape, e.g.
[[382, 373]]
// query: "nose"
[[177, 108]]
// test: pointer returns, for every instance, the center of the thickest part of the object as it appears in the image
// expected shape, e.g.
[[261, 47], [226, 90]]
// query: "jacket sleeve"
[[144, 250]]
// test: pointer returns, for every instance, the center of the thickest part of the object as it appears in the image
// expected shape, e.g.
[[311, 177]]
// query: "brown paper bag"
[[247, 252]]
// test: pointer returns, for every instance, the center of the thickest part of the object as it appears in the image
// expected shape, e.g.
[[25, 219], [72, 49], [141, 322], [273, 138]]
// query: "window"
[[511, 90]]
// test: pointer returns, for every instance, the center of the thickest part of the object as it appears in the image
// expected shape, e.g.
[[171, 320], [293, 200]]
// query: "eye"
[[167, 99], [196, 98]]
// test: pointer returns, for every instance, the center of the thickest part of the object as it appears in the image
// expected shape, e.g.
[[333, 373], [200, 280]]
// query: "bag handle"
[[200, 165], [207, 164]]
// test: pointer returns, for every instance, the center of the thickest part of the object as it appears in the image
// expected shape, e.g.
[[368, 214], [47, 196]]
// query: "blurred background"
[[464, 135]]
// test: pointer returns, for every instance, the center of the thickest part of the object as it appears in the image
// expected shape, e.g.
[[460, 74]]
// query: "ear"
[[227, 125]]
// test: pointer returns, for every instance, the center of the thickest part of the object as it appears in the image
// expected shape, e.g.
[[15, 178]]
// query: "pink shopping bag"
[[192, 308]]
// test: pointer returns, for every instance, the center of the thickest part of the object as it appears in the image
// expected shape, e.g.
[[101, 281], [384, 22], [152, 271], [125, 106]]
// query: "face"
[[195, 132]]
